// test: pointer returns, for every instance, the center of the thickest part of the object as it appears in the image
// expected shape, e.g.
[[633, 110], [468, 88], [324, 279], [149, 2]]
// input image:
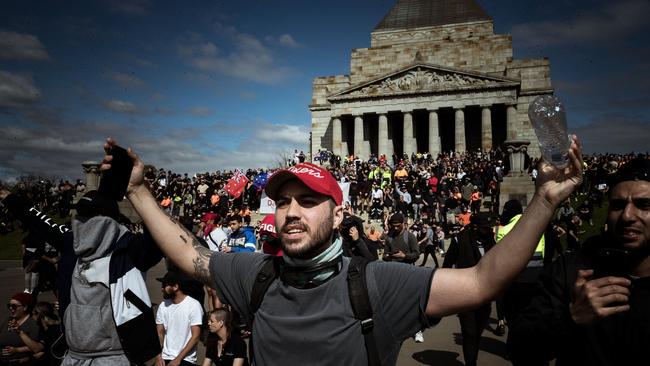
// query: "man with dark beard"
[[591, 307], [472, 243], [178, 320], [305, 317]]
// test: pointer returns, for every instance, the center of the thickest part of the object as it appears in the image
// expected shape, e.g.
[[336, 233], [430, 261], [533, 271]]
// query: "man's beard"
[[317, 243], [167, 295]]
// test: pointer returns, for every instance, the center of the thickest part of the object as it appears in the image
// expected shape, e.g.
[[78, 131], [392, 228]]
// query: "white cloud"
[[125, 80], [120, 106], [194, 46], [163, 111], [53, 150], [616, 20], [200, 111], [288, 41], [57, 145], [17, 91], [19, 46], [283, 134], [158, 96], [285, 40], [250, 59]]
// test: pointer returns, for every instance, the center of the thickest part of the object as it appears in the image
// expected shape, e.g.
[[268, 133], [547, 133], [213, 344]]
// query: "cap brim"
[[276, 181]]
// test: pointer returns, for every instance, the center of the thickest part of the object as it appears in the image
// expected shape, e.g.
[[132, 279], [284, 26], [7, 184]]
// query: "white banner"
[[345, 187], [267, 205]]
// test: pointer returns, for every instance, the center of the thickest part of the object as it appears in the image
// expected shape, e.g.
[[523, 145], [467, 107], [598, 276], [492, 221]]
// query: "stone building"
[[435, 78]]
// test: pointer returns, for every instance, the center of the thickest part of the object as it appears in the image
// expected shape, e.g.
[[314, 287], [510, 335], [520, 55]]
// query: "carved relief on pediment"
[[420, 80]]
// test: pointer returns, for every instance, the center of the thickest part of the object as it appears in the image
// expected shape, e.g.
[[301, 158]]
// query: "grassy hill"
[[10, 244]]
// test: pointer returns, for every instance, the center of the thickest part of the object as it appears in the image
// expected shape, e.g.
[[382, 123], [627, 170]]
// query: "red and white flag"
[[236, 184]]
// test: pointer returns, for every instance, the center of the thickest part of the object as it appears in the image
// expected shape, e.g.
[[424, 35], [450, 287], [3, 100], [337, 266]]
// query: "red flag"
[[236, 184]]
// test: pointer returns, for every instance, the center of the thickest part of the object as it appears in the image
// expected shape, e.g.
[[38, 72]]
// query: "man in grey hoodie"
[[106, 309], [108, 290]]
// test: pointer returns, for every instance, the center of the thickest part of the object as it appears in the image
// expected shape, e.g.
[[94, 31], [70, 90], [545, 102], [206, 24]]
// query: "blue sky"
[[204, 85]]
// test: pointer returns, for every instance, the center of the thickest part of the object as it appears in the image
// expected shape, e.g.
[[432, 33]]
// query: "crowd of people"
[[402, 210]]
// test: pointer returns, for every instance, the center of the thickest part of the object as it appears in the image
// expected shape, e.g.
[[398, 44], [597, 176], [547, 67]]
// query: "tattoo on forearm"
[[201, 263], [202, 260]]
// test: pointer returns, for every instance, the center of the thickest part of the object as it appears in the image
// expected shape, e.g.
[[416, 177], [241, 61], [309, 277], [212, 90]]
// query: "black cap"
[[481, 219], [511, 209], [170, 278], [396, 218]]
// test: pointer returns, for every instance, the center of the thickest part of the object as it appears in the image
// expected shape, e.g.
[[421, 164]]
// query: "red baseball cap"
[[209, 216], [268, 225], [313, 176]]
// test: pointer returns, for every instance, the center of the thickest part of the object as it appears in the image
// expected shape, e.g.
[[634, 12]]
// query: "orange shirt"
[[214, 199], [373, 236], [401, 173], [463, 218]]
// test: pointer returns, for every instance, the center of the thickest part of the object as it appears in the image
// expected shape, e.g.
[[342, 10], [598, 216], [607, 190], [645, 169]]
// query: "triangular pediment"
[[422, 79]]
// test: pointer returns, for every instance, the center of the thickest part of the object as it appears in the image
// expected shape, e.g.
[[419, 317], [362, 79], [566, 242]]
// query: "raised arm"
[[176, 242], [34, 220], [458, 290]]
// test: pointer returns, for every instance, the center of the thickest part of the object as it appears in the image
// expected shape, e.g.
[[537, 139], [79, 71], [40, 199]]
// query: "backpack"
[[357, 290]]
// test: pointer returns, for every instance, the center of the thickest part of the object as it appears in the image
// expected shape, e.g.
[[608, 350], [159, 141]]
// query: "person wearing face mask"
[[14, 350]]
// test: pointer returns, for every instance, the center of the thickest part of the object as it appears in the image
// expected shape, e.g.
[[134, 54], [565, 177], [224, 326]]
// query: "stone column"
[[358, 136], [408, 134], [459, 133], [93, 174], [434, 134], [337, 136], [382, 138], [517, 150], [486, 128], [511, 122]]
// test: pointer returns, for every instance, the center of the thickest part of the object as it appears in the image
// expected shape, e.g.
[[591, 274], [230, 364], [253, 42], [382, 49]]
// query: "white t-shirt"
[[177, 320], [216, 239]]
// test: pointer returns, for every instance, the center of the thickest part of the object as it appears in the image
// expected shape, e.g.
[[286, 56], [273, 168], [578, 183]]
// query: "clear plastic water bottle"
[[548, 118]]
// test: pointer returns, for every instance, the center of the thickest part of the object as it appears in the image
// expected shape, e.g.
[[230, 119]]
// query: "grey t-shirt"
[[317, 326]]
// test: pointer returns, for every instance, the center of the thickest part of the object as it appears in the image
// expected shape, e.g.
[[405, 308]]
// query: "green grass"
[[599, 218], [10, 244]]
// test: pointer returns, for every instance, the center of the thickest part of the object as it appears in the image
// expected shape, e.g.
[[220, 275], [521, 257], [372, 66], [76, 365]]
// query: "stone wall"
[[471, 47], [324, 86]]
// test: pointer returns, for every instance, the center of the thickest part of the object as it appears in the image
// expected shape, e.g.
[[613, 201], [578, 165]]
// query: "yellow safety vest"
[[503, 230]]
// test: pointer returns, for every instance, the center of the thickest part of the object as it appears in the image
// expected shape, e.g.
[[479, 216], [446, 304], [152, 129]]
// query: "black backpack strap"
[[265, 277], [267, 274], [358, 291]]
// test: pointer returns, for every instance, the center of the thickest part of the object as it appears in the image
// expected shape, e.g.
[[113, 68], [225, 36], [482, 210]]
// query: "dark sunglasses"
[[13, 306]]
